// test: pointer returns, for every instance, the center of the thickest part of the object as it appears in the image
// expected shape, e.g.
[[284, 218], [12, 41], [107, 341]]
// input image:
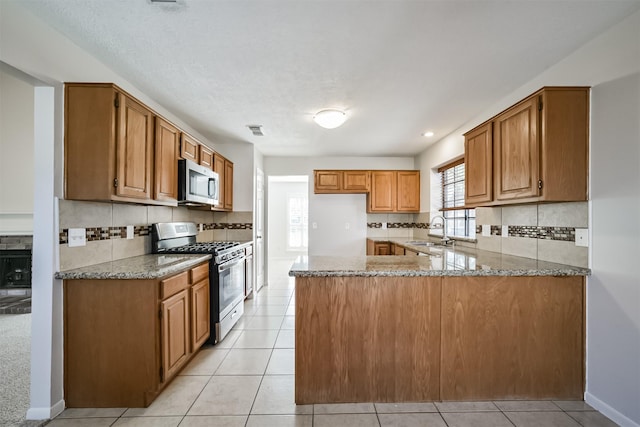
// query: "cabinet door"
[[382, 248], [218, 166], [134, 148], [166, 161], [355, 181], [206, 157], [408, 191], [189, 148], [383, 191], [517, 151], [175, 333], [200, 324], [478, 165], [398, 250], [228, 185], [327, 181]]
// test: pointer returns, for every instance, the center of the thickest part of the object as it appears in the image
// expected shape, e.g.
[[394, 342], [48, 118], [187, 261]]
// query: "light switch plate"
[[505, 231], [384, 225], [486, 230], [129, 231], [582, 237], [77, 237]]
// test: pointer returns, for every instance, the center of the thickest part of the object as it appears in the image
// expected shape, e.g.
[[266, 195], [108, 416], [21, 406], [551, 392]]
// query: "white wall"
[[242, 156], [613, 332], [613, 305], [332, 211], [16, 155], [277, 213]]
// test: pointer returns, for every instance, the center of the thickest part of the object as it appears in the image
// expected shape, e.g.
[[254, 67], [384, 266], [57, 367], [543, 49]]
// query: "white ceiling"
[[397, 67]]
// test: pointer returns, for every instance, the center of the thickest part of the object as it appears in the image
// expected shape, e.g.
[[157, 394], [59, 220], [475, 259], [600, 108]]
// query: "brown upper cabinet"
[[189, 148], [224, 168], [387, 191], [341, 181], [167, 147], [206, 156], [108, 145], [535, 151], [394, 191]]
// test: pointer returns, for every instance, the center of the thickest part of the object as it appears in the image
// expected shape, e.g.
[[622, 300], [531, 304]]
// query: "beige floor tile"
[[205, 362], [392, 408], [232, 395], [214, 421], [81, 422], [573, 405], [249, 309], [282, 362], [286, 339], [476, 419], [280, 421], [276, 397], [245, 362], [289, 322], [291, 310], [411, 420], [272, 300], [275, 292], [270, 310], [229, 340], [344, 408], [526, 405], [256, 339], [91, 413], [148, 422], [591, 419], [351, 420], [176, 399], [541, 419], [264, 322], [466, 406], [243, 321]]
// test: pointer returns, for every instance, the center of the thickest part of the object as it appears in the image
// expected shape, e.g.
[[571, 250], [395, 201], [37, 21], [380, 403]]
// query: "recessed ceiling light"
[[330, 119], [428, 134]]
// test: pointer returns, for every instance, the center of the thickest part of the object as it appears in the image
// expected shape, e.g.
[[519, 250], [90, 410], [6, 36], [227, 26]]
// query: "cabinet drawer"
[[173, 285], [200, 272]]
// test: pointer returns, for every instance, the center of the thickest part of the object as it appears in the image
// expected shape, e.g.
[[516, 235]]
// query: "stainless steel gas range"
[[226, 270]]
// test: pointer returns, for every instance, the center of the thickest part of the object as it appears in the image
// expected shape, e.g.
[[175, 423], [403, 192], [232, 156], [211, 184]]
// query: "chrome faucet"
[[444, 239]]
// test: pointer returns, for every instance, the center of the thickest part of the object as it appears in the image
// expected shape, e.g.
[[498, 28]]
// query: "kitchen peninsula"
[[456, 324]]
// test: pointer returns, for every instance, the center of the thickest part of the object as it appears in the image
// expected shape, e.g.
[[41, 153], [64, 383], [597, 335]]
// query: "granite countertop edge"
[[438, 273], [138, 267]]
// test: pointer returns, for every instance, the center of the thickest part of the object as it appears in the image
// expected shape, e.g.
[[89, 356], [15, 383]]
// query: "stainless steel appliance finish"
[[197, 185], [226, 271]]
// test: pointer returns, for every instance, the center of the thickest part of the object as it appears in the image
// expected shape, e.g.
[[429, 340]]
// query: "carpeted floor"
[[15, 361]]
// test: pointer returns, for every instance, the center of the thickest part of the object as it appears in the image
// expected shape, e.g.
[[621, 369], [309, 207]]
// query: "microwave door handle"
[[212, 187]]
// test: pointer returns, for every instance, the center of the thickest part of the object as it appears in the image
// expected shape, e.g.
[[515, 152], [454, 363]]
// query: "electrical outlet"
[[201, 227], [384, 225], [486, 230], [582, 237], [505, 231], [129, 231], [77, 237]]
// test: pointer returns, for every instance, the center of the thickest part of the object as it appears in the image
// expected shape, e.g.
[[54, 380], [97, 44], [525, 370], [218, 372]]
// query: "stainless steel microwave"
[[197, 185]]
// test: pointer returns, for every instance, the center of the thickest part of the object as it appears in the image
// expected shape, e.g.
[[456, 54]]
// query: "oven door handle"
[[230, 264]]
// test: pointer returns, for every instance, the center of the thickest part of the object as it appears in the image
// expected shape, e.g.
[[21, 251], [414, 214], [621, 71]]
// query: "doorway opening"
[[287, 224]]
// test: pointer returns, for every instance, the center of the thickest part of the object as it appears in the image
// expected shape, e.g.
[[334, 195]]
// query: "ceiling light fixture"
[[428, 134], [330, 119]]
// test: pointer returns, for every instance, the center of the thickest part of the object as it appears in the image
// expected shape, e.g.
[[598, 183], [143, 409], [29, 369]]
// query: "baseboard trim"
[[46, 413], [609, 412]]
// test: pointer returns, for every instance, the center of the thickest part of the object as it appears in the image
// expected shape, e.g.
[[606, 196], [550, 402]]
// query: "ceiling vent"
[[163, 1], [256, 130]]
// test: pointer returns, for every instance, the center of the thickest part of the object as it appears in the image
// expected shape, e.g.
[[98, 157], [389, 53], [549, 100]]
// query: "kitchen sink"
[[421, 243]]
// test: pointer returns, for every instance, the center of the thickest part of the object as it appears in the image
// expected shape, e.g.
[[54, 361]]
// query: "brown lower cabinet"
[[125, 340], [395, 339]]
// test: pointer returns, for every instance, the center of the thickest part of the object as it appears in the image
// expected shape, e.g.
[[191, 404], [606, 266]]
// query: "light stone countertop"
[[152, 266], [439, 261]]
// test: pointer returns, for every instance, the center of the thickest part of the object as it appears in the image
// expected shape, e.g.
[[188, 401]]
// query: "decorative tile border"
[[107, 233], [566, 234]]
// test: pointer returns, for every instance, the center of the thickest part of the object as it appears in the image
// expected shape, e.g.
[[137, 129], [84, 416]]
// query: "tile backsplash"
[[106, 225], [544, 231]]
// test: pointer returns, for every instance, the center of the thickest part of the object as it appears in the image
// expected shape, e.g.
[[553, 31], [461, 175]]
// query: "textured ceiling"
[[398, 68]]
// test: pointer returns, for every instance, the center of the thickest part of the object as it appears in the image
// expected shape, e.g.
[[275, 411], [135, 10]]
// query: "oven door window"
[[231, 279]]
